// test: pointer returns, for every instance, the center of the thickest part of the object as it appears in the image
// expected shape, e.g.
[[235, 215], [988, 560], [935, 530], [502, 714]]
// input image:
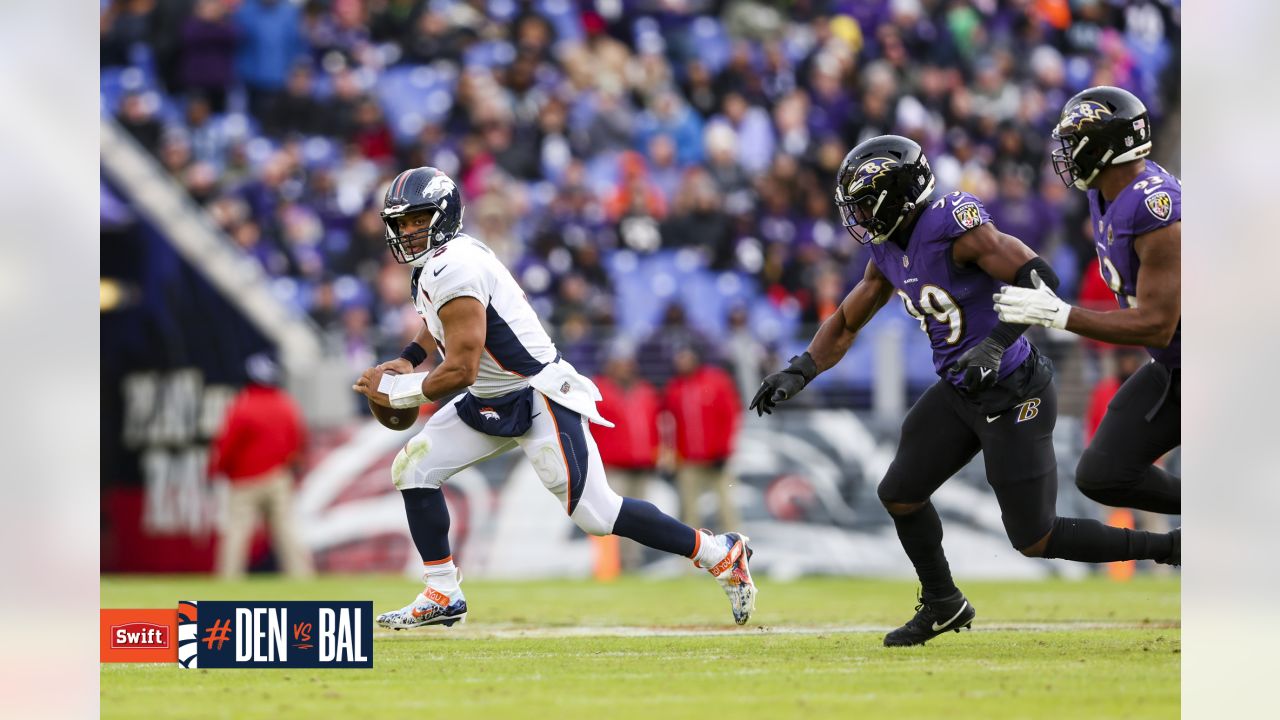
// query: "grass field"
[[660, 649]]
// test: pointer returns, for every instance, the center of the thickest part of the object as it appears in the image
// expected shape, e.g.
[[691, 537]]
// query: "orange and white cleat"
[[431, 607], [734, 575]]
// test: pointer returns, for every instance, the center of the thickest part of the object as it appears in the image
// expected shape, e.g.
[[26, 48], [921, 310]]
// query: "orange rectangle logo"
[[138, 635]]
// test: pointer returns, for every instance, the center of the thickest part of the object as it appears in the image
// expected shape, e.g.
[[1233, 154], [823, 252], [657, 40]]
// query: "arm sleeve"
[[1007, 333]]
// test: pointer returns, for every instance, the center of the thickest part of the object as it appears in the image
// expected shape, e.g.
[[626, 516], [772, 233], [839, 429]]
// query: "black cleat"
[[932, 619], [1175, 555]]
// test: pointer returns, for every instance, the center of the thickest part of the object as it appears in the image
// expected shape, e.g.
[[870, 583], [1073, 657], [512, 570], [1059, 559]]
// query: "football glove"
[[1037, 305], [979, 367], [784, 384]]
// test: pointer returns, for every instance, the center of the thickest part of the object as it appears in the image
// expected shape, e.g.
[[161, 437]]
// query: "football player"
[[942, 256], [1136, 210], [518, 393]]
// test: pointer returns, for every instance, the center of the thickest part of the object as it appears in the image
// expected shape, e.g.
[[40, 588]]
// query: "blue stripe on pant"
[[573, 443]]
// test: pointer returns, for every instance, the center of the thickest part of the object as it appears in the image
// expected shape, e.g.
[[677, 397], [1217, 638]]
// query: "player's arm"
[[1152, 322], [1006, 258], [465, 328], [829, 344]]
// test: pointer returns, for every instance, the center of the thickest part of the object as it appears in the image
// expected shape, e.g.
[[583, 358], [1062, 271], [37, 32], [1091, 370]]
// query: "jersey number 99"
[[936, 303]]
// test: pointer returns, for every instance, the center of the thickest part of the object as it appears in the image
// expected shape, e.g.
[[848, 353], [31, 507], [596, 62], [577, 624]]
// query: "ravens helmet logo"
[[1085, 112], [868, 172]]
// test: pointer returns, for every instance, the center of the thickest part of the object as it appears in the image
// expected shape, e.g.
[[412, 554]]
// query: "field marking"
[[499, 632]]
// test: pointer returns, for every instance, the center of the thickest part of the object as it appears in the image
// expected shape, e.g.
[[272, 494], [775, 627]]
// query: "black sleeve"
[[1006, 333]]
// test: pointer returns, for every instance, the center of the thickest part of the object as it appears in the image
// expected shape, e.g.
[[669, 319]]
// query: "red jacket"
[[1099, 399], [633, 444], [707, 414], [262, 431]]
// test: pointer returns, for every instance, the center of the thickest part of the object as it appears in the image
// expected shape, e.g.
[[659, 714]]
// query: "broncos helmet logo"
[[870, 171], [441, 182], [1083, 113]]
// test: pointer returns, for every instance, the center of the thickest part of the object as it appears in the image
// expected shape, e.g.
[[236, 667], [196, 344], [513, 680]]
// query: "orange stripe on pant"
[[568, 475]]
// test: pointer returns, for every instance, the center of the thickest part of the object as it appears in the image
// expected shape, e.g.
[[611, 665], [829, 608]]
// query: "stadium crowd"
[[583, 133]]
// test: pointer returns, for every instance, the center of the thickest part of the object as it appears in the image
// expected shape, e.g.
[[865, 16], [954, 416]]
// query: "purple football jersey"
[[952, 304], [1153, 201]]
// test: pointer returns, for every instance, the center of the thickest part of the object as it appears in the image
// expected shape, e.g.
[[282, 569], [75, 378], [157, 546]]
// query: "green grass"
[[798, 657]]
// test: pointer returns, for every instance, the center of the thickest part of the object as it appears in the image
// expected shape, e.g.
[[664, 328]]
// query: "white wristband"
[[404, 391]]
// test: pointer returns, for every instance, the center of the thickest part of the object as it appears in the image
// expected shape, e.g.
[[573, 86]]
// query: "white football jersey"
[[516, 346]]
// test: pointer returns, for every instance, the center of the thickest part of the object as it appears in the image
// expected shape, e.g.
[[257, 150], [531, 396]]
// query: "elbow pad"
[[1044, 269]]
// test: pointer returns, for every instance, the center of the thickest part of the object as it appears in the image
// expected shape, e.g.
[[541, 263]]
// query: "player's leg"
[[1022, 469], [560, 446], [935, 444], [1117, 468], [628, 483], [445, 446]]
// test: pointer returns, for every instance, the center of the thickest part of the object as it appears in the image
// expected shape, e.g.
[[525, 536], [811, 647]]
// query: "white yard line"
[[476, 631]]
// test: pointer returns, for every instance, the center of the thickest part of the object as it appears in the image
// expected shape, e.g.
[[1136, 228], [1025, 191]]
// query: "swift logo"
[[942, 626], [436, 272], [992, 419], [985, 372], [139, 636]]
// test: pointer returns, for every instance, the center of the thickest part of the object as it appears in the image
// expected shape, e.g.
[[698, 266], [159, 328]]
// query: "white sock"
[[711, 550], [442, 576]]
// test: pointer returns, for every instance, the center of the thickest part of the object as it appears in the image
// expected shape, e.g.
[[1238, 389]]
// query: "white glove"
[[404, 391], [1032, 306]]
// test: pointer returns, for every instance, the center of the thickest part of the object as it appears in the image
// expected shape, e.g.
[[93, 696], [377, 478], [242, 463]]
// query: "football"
[[393, 418]]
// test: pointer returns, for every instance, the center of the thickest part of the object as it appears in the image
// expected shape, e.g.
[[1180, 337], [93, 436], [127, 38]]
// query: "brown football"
[[392, 418]]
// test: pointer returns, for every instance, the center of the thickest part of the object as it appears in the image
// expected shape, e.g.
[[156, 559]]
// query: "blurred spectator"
[[1018, 211], [208, 53], [123, 25], [208, 138], [261, 436], [1123, 362], [706, 414], [630, 449], [271, 44], [698, 222], [745, 353], [296, 110], [138, 117], [657, 352]]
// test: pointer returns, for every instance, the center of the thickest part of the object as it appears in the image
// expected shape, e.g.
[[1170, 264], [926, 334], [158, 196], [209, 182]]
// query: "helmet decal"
[[441, 183], [868, 172], [1082, 114]]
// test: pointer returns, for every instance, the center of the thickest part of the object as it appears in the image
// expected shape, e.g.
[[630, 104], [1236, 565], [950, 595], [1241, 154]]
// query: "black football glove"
[[784, 384], [979, 368]]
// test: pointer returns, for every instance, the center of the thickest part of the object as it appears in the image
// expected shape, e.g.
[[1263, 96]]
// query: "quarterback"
[[517, 392]]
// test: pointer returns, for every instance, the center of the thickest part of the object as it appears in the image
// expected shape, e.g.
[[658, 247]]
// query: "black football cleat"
[[1175, 555], [932, 619]]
